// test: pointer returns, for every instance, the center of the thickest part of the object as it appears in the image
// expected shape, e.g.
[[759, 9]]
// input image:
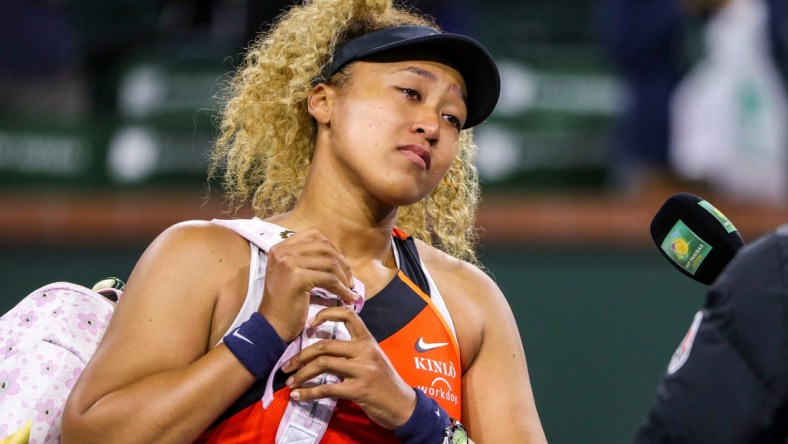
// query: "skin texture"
[[385, 139]]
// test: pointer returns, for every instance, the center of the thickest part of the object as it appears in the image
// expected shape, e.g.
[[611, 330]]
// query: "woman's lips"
[[417, 154]]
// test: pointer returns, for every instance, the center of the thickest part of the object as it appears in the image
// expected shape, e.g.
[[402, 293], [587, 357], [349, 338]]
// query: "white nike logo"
[[241, 337], [422, 346]]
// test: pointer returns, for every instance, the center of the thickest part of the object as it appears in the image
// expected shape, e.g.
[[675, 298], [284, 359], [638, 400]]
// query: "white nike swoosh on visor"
[[426, 346]]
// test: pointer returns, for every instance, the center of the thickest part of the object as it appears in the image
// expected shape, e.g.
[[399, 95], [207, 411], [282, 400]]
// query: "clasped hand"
[[296, 266]]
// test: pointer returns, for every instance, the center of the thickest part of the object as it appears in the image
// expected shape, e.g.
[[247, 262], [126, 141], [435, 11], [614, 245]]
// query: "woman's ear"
[[320, 102]]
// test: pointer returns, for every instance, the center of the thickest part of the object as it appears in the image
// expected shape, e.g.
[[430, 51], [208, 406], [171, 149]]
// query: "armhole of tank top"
[[435, 294], [254, 290], [437, 299]]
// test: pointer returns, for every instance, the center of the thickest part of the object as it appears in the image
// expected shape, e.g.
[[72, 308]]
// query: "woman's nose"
[[428, 125]]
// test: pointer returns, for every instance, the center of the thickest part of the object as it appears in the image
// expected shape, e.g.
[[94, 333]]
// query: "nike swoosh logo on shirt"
[[241, 337], [422, 346]]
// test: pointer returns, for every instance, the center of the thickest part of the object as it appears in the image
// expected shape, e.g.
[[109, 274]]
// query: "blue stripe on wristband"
[[256, 344], [427, 424]]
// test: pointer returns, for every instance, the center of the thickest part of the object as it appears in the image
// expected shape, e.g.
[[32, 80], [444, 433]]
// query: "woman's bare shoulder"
[[200, 230], [455, 272], [182, 277], [187, 259], [197, 240]]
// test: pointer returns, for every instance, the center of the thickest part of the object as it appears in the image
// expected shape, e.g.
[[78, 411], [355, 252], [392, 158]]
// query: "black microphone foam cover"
[[695, 237]]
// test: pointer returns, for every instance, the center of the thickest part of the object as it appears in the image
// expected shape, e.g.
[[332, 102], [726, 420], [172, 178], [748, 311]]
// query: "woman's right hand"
[[295, 266]]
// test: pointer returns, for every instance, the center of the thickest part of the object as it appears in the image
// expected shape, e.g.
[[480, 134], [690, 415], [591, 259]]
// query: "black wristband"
[[256, 344], [426, 425]]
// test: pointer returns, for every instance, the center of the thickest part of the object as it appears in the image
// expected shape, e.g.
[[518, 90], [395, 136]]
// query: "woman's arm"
[[498, 403], [156, 376]]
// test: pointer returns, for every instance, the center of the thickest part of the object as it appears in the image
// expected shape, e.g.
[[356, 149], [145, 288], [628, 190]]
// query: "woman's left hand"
[[369, 379]]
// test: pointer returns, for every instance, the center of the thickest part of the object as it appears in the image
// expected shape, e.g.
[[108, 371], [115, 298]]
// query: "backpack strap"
[[263, 234]]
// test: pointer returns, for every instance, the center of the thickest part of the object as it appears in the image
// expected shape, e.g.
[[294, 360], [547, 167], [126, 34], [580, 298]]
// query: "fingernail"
[[286, 366], [289, 382], [295, 395]]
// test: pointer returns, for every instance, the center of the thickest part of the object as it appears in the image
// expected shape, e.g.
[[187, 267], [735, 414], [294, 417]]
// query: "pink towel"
[[305, 422]]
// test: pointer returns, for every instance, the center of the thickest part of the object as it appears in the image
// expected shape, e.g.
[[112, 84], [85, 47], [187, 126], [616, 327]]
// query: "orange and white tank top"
[[409, 320]]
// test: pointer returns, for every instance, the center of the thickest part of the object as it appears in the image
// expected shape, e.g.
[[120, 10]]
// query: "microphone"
[[695, 237]]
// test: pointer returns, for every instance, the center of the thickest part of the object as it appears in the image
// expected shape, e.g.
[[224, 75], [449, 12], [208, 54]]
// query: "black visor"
[[462, 53]]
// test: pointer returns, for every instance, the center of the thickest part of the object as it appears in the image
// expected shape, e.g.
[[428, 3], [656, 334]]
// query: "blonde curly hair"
[[267, 136]]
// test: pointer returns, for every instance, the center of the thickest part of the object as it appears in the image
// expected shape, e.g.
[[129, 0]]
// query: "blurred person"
[[653, 45], [645, 39], [728, 113], [347, 126], [39, 60], [727, 382]]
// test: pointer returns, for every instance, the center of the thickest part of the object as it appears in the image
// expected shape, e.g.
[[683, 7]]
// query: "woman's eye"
[[411, 93], [454, 121]]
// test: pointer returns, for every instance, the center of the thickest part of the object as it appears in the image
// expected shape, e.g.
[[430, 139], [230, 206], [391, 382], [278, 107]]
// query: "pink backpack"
[[45, 342]]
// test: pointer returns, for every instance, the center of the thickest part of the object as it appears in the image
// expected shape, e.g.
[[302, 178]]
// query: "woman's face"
[[394, 127]]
